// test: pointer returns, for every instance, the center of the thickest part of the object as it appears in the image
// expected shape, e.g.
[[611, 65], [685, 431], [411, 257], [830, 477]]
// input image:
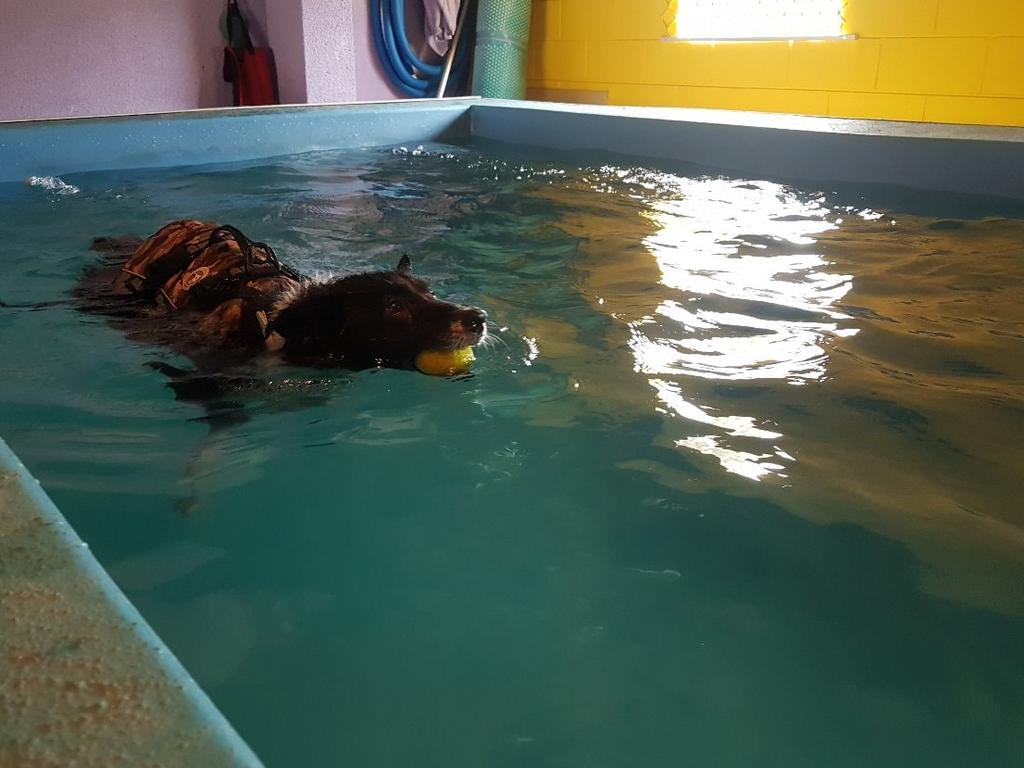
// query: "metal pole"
[[450, 58]]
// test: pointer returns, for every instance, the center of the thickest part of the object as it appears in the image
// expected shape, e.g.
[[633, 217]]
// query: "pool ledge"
[[967, 159], [83, 679], [223, 135]]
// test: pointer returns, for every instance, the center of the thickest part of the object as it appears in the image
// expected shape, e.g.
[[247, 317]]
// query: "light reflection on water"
[[863, 365], [749, 306]]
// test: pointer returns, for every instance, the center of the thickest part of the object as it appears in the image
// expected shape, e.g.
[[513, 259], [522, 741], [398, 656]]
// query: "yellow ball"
[[445, 362]]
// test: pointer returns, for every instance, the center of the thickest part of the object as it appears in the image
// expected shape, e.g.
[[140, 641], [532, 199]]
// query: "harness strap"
[[271, 338], [199, 264], [259, 258]]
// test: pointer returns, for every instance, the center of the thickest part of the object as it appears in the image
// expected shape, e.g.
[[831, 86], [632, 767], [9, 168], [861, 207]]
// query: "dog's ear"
[[405, 265]]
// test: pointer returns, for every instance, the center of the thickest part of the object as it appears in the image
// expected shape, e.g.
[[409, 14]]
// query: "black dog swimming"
[[210, 293], [227, 304]]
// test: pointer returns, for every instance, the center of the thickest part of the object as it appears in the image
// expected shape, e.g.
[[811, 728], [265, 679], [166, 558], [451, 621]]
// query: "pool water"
[[736, 483]]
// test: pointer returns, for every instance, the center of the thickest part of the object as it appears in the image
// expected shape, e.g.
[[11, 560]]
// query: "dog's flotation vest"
[[200, 265]]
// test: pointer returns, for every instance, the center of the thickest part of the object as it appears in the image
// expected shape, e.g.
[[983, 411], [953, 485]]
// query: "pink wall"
[[284, 29], [86, 57], [61, 58], [324, 51], [330, 51], [371, 82]]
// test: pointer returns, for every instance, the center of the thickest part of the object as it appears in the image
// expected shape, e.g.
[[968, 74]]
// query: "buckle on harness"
[[273, 340]]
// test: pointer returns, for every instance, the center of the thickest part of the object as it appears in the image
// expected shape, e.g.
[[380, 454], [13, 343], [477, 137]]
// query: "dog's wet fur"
[[353, 322], [365, 320], [375, 319]]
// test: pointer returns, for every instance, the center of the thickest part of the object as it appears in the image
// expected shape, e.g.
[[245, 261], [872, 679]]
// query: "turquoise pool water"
[[737, 484]]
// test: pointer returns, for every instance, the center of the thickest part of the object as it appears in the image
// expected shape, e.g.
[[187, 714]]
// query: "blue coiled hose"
[[411, 75]]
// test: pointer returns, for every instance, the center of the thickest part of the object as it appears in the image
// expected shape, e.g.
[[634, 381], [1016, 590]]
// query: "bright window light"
[[758, 19]]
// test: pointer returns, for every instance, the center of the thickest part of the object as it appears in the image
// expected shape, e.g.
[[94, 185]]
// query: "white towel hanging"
[[439, 21]]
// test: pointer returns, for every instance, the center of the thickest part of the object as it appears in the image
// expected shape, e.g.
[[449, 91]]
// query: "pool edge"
[[975, 160], [64, 146], [78, 651]]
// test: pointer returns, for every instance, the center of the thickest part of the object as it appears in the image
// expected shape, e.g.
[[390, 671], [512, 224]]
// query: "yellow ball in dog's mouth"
[[445, 362]]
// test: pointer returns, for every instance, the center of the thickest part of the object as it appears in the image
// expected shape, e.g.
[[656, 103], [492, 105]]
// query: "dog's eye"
[[393, 306]]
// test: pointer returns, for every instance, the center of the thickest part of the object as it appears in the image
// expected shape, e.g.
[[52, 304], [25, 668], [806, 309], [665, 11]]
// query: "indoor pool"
[[736, 483]]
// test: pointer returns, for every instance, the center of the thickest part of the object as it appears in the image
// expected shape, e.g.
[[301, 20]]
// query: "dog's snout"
[[474, 320], [477, 321]]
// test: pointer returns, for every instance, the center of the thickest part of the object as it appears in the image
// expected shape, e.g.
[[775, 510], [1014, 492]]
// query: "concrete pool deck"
[[82, 677]]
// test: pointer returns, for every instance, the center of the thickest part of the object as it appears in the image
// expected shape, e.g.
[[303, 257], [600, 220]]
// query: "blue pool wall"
[[964, 159], [950, 158], [201, 137], [927, 156]]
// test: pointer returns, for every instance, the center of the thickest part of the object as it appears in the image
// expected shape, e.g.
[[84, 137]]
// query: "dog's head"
[[374, 319]]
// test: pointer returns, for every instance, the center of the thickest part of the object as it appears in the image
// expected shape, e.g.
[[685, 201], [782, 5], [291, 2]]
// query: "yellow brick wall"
[[955, 61]]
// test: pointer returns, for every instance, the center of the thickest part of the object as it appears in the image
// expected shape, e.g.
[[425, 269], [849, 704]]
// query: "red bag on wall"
[[251, 73], [250, 70]]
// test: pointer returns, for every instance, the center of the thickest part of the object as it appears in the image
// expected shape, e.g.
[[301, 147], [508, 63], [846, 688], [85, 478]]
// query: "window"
[[758, 19]]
